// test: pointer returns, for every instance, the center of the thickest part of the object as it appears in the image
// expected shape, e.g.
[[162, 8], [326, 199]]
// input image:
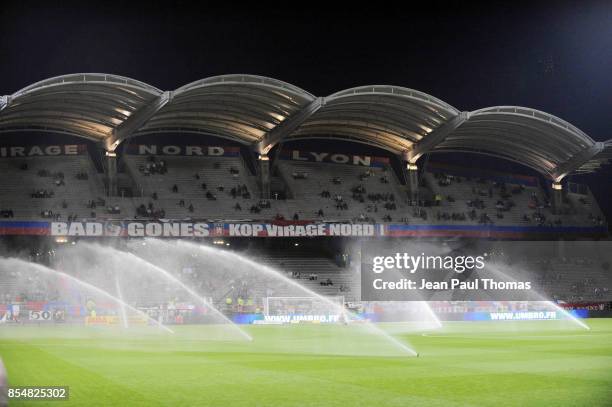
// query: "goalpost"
[[288, 310]]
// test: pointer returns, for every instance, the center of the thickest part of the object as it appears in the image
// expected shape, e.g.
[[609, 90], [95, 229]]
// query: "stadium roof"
[[262, 112]]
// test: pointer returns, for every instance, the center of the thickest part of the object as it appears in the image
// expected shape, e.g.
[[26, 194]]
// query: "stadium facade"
[[257, 125]]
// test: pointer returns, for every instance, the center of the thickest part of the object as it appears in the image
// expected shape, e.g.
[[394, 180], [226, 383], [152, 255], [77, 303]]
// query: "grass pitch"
[[464, 364]]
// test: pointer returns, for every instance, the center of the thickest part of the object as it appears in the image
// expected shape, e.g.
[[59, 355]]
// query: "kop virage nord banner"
[[204, 229], [170, 228], [485, 270]]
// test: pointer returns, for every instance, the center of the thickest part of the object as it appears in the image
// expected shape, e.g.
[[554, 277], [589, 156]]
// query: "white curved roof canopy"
[[527, 136], [390, 117], [262, 112], [239, 107], [84, 105], [603, 157]]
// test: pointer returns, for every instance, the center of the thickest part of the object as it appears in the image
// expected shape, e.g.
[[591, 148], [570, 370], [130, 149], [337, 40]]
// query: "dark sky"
[[553, 56]]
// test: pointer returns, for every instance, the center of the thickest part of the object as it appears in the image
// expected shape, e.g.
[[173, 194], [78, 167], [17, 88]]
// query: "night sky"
[[552, 56]]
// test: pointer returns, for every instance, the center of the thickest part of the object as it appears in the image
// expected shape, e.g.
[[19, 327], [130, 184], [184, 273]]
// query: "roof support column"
[[411, 172], [557, 198], [264, 176], [111, 173]]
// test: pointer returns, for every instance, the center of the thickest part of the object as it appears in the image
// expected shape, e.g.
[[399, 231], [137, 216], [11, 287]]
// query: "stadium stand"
[[343, 192], [319, 274], [196, 187], [223, 188], [49, 187], [260, 114], [483, 200]]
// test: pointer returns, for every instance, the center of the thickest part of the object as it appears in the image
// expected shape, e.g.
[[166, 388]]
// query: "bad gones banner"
[[192, 228], [201, 229]]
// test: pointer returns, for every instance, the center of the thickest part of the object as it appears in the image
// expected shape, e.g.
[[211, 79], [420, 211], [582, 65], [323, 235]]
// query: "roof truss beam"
[[577, 161], [288, 126], [4, 102], [126, 129], [434, 138]]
